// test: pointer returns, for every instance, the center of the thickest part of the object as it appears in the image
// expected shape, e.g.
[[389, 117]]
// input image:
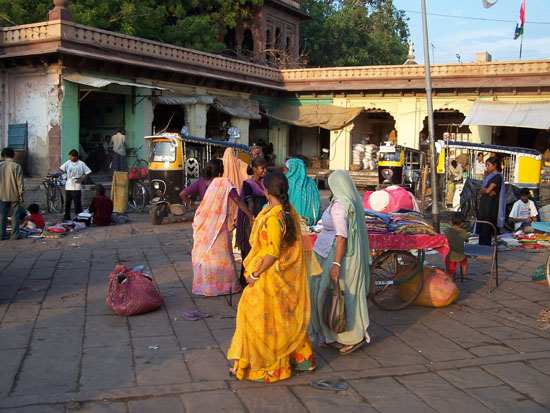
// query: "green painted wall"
[[70, 120], [134, 125]]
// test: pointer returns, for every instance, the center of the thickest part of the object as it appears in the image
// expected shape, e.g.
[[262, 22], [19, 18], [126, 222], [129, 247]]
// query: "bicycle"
[[54, 195], [138, 193]]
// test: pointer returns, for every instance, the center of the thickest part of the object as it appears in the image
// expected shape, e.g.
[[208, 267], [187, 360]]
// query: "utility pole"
[[431, 129]]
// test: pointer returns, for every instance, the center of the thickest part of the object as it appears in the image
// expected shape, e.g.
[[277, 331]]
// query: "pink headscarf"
[[234, 169]]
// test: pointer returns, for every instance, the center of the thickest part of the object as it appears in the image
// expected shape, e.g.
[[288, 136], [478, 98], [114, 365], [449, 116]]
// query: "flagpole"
[[520, 46]]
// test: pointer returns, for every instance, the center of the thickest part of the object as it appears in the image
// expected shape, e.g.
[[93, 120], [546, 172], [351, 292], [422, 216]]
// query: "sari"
[[303, 192], [354, 271], [272, 318], [235, 170], [212, 255]]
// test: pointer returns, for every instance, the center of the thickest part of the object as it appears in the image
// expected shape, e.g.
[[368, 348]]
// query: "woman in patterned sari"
[[212, 255], [271, 335]]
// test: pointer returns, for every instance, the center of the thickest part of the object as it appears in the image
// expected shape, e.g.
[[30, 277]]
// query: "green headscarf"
[[343, 189], [302, 191]]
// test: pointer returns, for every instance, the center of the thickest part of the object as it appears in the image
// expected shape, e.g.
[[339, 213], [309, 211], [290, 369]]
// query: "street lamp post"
[[431, 137]]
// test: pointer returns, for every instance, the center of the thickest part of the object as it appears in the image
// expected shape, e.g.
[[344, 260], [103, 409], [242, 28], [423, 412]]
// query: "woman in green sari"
[[342, 249], [303, 192]]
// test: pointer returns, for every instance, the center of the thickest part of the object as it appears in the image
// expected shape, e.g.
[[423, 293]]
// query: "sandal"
[[352, 349], [336, 345], [326, 384]]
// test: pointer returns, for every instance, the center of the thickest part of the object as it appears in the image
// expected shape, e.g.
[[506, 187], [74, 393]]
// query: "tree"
[[196, 24], [353, 33]]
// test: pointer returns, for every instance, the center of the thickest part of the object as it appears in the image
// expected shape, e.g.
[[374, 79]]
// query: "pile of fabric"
[[377, 223], [406, 222]]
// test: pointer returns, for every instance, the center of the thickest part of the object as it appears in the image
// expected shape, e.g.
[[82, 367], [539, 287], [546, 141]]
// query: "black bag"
[[334, 311]]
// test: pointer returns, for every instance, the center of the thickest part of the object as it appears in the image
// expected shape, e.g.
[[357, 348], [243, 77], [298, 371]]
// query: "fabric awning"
[[520, 114], [98, 82], [237, 107], [324, 116], [183, 100]]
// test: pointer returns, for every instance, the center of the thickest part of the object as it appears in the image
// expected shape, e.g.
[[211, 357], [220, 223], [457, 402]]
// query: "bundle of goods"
[[54, 232], [369, 158], [31, 232], [377, 223], [409, 223], [357, 154], [390, 199], [438, 289]]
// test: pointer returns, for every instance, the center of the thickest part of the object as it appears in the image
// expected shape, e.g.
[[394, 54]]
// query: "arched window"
[[248, 43]]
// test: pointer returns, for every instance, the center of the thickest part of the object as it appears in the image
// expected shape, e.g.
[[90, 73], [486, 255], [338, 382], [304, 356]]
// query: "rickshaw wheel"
[[157, 214], [548, 270], [387, 271]]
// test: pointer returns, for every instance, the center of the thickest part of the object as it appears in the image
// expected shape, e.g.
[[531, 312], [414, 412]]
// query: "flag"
[[521, 21], [488, 4]]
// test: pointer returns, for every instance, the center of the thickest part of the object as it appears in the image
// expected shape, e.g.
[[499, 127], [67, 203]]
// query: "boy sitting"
[[35, 217], [101, 207], [456, 236], [524, 212]]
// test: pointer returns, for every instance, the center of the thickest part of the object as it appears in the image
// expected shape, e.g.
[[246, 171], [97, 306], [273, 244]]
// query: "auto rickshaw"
[[521, 167], [399, 165], [176, 161]]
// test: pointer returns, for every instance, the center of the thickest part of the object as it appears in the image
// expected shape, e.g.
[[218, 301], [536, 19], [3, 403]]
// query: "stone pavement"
[[62, 349]]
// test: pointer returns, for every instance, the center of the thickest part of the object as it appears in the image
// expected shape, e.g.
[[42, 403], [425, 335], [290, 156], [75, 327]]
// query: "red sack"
[[132, 292], [137, 173]]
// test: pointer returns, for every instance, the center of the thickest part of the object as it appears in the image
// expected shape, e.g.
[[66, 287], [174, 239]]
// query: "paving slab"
[[155, 323], [528, 344], [207, 364], [387, 395], [507, 333], [66, 316], [15, 335], [106, 330], [21, 312], [542, 365], [491, 350], [213, 401], [157, 404], [440, 395], [523, 378], [469, 378], [327, 401], [103, 407], [504, 399], [270, 399], [358, 360], [107, 367], [10, 360]]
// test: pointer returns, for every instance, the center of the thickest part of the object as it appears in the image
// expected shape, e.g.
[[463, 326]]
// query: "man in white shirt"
[[118, 142], [524, 212], [479, 169], [76, 172]]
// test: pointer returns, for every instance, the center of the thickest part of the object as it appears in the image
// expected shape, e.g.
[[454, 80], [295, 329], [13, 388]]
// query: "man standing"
[[11, 193], [118, 142], [76, 171], [479, 170]]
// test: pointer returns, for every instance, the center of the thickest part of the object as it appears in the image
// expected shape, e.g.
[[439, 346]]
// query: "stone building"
[[72, 85]]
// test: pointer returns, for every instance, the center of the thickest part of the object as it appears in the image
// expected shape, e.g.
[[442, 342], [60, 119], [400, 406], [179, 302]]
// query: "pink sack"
[[132, 292]]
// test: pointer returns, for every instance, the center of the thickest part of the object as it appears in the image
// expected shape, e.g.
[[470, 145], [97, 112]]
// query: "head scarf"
[[343, 189], [303, 192], [234, 169]]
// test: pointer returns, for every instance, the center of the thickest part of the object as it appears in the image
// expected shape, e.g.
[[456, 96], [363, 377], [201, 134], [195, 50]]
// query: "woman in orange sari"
[[273, 315], [212, 256], [235, 170]]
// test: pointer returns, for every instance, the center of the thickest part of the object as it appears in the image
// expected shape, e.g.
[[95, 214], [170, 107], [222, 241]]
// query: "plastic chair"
[[484, 252]]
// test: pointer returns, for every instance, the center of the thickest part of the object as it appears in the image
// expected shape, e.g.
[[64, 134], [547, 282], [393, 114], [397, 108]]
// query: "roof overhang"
[[534, 115], [97, 82]]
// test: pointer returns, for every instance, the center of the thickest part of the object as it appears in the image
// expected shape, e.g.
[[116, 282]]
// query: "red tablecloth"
[[409, 242]]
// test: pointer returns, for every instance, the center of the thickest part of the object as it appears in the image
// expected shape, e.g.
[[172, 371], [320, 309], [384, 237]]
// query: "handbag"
[[334, 309], [132, 292]]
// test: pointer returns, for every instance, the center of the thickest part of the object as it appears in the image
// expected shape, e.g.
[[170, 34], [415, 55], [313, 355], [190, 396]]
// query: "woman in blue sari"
[[303, 192], [492, 201]]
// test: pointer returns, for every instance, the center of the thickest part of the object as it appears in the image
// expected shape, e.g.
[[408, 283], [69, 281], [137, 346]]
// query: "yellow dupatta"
[[273, 316]]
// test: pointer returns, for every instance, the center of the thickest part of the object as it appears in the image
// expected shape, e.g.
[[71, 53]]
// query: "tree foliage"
[[196, 24], [353, 33]]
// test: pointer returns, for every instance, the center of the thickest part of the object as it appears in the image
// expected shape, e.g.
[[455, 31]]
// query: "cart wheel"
[[548, 270], [390, 269], [157, 214]]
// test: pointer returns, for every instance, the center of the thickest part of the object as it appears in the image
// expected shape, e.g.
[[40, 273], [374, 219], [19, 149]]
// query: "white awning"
[[520, 114], [98, 82]]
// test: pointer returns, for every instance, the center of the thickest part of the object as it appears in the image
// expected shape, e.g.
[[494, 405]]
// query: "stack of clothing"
[[377, 223], [406, 222]]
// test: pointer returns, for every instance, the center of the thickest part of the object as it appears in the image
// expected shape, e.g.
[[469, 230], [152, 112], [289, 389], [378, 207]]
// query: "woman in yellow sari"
[[273, 315]]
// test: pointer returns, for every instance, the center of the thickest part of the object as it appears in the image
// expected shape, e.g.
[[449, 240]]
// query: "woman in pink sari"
[[212, 255]]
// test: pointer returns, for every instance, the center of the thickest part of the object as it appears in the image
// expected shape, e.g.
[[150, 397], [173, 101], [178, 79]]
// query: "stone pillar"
[[195, 119], [279, 137], [60, 11], [243, 125], [340, 148]]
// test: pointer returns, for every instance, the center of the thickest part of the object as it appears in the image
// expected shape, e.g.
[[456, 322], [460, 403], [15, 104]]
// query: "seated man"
[[524, 212], [101, 207]]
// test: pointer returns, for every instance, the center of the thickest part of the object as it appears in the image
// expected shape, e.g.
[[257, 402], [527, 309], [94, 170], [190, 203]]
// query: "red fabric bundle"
[[137, 173], [132, 292]]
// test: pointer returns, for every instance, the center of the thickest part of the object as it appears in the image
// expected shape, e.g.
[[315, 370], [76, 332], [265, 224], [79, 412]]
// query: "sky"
[[464, 34]]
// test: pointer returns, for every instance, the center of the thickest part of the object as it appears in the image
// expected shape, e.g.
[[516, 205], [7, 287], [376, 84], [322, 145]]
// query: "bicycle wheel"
[[140, 196], [390, 269], [47, 192], [56, 199]]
